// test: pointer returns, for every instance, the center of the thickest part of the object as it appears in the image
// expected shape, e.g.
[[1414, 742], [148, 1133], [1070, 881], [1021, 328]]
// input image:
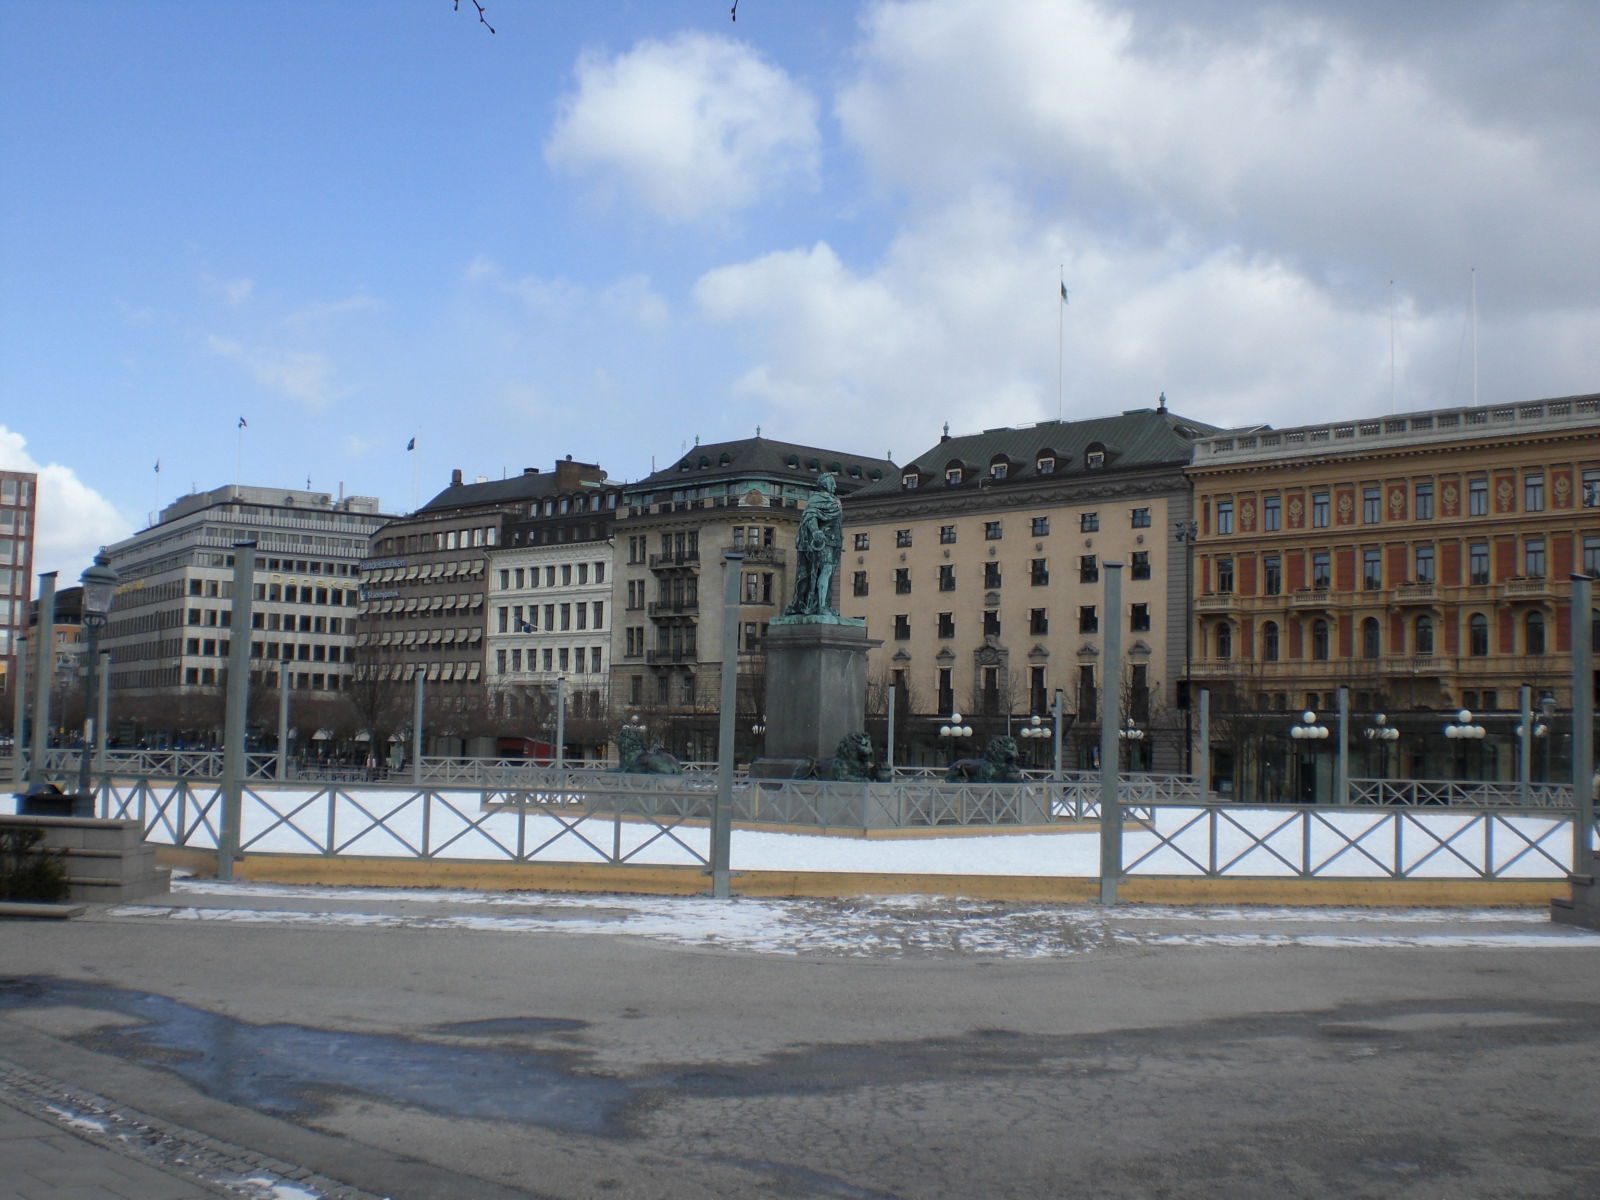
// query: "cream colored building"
[[981, 568]]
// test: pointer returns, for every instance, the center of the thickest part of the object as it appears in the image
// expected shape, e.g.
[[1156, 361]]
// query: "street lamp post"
[[1130, 736], [99, 588], [1462, 731], [1034, 730], [1308, 731], [1380, 733], [953, 730]]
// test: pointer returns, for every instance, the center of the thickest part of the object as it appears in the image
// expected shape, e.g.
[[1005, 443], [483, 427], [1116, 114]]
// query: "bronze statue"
[[818, 545]]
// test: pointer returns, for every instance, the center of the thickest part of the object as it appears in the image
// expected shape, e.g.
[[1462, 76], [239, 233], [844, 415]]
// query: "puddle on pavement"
[[293, 1070]]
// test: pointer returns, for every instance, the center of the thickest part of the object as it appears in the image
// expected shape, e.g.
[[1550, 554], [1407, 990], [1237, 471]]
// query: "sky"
[[611, 228]]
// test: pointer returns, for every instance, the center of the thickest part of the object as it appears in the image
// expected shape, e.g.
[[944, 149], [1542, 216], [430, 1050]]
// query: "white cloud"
[[74, 520], [302, 375], [690, 129]]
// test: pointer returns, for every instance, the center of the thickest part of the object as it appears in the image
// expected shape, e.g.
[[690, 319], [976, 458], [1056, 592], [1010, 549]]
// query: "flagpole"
[[155, 495], [1061, 326], [238, 454], [1474, 337]]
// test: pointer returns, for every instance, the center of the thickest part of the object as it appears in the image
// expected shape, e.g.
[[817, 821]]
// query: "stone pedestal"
[[816, 685], [1582, 907]]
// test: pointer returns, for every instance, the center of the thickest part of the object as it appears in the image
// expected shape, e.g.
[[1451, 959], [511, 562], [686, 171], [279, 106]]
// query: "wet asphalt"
[[1050, 1053]]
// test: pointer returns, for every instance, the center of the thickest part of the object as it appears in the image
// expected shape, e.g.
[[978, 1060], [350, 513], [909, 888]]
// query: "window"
[[1371, 569], [1089, 522], [1041, 526], [1591, 555], [1477, 497], [997, 470], [991, 622], [952, 476], [1321, 571], [909, 480], [902, 538], [1088, 569], [1423, 509], [1088, 620], [1320, 510], [902, 627], [947, 535], [1046, 465], [991, 531], [1477, 635], [1533, 640], [858, 586], [1039, 572], [1224, 516], [1272, 575], [1095, 459], [991, 574], [1224, 640], [1424, 636], [1139, 618], [1533, 558], [1319, 639], [1141, 518], [946, 690], [902, 581], [947, 625], [1591, 487], [1478, 563], [1370, 638], [863, 541], [1225, 574], [1271, 513], [947, 578], [1371, 504], [1140, 564], [1269, 641], [1533, 492], [1422, 568], [1038, 621]]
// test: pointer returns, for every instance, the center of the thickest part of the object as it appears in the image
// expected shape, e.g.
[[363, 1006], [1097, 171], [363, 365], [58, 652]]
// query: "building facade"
[[169, 627], [673, 529], [980, 566], [18, 507], [1422, 560]]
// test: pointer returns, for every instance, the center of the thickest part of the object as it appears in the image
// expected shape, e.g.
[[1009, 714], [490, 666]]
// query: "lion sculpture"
[[634, 759], [998, 764], [853, 761]]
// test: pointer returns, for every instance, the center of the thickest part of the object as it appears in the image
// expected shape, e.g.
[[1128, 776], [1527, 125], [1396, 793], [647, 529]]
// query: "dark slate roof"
[[516, 489], [763, 457], [1146, 437]]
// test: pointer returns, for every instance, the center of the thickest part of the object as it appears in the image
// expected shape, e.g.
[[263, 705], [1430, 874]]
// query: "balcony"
[[661, 562], [757, 556], [1214, 602], [1312, 597], [673, 608], [1529, 589], [659, 657], [1416, 593]]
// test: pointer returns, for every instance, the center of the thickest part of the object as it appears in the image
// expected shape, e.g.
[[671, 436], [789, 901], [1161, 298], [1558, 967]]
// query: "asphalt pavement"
[[295, 1043]]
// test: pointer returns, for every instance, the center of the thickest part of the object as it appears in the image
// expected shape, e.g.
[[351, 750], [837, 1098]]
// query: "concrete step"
[[110, 891], [1582, 880], [124, 865], [31, 911]]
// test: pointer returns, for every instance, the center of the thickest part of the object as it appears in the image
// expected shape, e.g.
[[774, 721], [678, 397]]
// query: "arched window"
[[1424, 637], [1478, 635], [1224, 640], [1269, 641], [1535, 633], [1319, 639], [1370, 638]]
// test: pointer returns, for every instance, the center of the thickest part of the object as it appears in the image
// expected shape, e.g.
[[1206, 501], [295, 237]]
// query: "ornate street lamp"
[[1381, 733], [1463, 730], [1036, 728], [954, 729], [1309, 731], [1130, 735], [99, 589]]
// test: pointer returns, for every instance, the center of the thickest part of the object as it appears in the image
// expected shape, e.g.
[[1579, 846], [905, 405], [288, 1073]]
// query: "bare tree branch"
[[484, 21]]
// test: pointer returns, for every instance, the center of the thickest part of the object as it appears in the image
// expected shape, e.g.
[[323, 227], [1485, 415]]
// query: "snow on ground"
[[862, 927]]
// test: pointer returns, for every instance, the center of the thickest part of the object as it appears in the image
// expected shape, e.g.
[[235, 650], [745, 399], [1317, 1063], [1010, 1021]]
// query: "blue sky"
[[613, 227]]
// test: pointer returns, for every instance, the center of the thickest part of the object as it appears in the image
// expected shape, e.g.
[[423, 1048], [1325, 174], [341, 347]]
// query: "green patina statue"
[[634, 759], [818, 545]]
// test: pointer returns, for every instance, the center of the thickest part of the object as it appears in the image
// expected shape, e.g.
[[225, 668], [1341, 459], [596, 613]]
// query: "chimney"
[[455, 477], [530, 470]]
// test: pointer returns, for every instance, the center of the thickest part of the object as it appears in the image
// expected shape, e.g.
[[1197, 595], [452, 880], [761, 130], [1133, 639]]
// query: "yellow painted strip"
[[352, 871]]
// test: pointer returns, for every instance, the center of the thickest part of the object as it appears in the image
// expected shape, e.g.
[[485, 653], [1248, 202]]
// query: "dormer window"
[[997, 470], [1047, 465], [908, 480], [1095, 459], [952, 475]]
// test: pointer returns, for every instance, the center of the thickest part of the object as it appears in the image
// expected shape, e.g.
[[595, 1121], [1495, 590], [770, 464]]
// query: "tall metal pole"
[[1341, 761], [19, 717], [102, 725], [1203, 750], [561, 721], [281, 762], [238, 703], [1110, 714], [44, 647], [1525, 744], [1056, 737], [91, 664], [722, 812], [1582, 718], [416, 725], [888, 739]]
